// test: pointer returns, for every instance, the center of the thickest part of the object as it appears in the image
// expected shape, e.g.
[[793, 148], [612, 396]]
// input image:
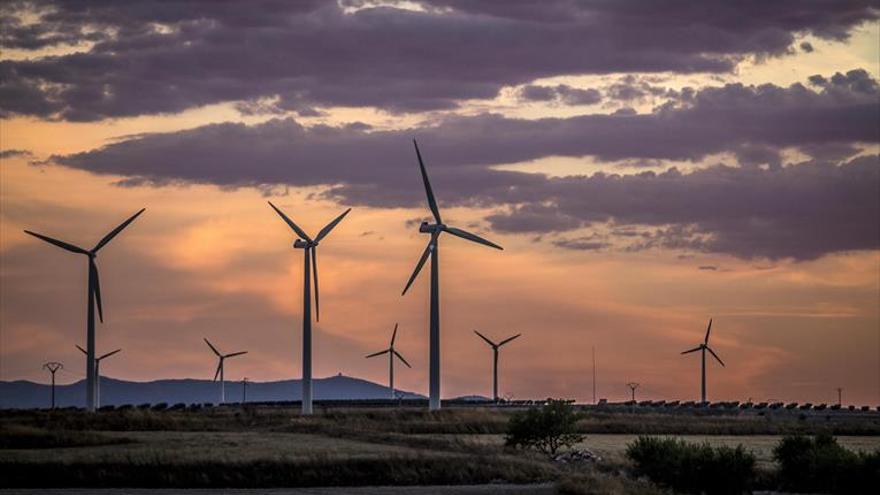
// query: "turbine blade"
[[485, 338], [695, 349], [401, 358], [107, 238], [109, 354], [386, 351], [292, 225], [393, 336], [508, 339], [94, 268], [235, 354], [708, 329], [432, 203], [715, 355], [315, 272], [421, 262], [83, 350], [61, 244], [326, 230], [217, 373], [472, 237], [213, 348]]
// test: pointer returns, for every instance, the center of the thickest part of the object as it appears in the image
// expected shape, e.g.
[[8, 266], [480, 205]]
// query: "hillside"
[[25, 394]]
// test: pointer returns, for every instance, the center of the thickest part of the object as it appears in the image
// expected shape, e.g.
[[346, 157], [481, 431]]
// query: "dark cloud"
[[711, 268], [773, 211], [797, 211], [533, 217], [364, 164], [807, 47], [14, 153], [588, 243], [163, 57], [562, 93]]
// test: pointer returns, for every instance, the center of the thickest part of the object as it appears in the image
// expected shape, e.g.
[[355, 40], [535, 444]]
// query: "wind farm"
[[608, 182]]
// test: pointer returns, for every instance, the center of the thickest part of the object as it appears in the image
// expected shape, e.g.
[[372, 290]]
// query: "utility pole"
[[839, 396], [244, 383], [52, 367], [633, 386], [594, 375]]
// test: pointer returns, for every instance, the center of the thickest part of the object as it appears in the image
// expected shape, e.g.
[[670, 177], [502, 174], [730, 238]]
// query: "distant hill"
[[25, 394]]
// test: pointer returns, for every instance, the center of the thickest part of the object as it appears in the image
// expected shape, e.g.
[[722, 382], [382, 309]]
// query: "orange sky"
[[213, 261]]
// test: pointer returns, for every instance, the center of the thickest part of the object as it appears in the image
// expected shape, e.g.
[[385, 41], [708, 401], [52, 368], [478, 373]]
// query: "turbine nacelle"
[[430, 228], [301, 244]]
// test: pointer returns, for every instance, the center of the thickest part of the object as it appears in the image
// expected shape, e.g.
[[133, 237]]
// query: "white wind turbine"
[[392, 353], [220, 369]]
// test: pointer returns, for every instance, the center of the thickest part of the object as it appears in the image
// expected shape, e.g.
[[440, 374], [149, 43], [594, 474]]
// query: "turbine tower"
[[219, 372], [704, 347], [392, 353], [495, 348], [431, 250], [94, 297], [310, 248], [98, 372]]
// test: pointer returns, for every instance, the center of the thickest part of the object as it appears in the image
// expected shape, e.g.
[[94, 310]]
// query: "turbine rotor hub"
[[302, 244], [430, 228]]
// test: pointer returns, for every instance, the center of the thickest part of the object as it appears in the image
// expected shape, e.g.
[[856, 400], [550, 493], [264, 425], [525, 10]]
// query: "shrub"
[[546, 428], [820, 464], [693, 468]]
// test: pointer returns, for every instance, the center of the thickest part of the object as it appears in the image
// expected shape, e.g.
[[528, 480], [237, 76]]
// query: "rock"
[[577, 456]]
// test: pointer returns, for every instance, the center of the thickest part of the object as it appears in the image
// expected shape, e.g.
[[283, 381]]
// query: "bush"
[[546, 428], [693, 468], [820, 464]]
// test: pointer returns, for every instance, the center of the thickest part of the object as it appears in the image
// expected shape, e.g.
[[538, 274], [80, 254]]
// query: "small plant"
[[546, 429], [693, 468], [820, 464]]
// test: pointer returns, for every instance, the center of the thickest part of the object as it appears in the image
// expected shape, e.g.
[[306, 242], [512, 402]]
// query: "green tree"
[[546, 429]]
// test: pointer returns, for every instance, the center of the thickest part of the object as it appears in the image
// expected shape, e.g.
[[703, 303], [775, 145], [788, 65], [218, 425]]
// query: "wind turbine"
[[310, 248], [94, 297], [391, 355], [495, 348], [98, 372], [705, 347], [219, 371], [432, 249]]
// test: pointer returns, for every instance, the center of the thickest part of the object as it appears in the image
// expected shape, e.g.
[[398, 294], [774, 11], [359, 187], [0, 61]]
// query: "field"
[[275, 447]]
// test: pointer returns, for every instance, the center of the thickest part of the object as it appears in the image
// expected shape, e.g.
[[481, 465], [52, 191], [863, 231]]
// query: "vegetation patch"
[[546, 429], [820, 464], [693, 468], [29, 437]]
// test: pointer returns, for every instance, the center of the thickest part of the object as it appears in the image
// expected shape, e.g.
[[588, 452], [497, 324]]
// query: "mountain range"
[[27, 394]]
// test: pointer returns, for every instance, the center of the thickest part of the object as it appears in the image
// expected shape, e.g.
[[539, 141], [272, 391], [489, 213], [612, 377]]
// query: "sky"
[[647, 166]]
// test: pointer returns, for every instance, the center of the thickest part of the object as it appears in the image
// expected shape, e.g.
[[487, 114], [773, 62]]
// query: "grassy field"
[[275, 447]]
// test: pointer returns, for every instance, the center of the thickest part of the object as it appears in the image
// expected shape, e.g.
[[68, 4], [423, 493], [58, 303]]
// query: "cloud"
[[144, 57], [14, 153], [755, 211], [800, 211], [563, 93], [588, 243]]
